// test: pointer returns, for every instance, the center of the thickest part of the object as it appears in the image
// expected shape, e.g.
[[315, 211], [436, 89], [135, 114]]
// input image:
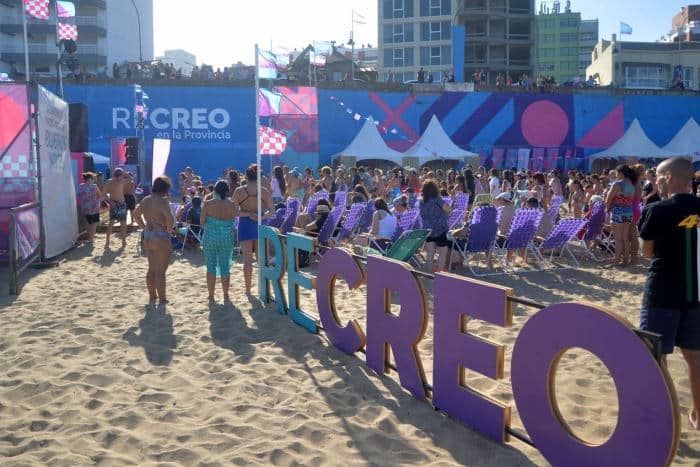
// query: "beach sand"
[[89, 374]]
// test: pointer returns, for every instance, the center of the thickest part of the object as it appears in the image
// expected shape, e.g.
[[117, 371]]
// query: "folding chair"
[[553, 212], [329, 226], [350, 223], [558, 239], [461, 201], [313, 202], [341, 198], [521, 235], [592, 236], [447, 200], [456, 218], [405, 248], [366, 220], [481, 239], [191, 230], [277, 220]]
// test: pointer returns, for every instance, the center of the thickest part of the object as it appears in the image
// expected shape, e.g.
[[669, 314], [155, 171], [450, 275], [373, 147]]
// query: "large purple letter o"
[[647, 428]]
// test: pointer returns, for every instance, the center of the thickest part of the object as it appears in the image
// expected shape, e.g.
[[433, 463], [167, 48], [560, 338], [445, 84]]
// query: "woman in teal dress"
[[217, 222]]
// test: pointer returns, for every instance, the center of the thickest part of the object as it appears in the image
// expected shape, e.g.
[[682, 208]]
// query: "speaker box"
[[78, 127], [133, 150], [88, 164]]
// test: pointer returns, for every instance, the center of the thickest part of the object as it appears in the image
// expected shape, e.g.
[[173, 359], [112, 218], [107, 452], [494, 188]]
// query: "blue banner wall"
[[213, 128]]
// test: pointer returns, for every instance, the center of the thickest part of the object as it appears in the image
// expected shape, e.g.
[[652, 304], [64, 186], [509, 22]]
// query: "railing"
[[79, 20], [51, 49], [22, 256]]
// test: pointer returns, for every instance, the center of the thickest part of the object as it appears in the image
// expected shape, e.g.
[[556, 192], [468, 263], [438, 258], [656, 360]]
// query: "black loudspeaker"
[[88, 164], [133, 150], [78, 127]]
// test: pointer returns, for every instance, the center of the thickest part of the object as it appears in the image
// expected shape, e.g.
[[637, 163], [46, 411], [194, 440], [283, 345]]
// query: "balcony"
[[101, 4], [89, 54], [90, 26]]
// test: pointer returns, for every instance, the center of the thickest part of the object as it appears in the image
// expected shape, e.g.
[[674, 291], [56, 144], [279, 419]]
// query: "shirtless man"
[[114, 192], [129, 198]]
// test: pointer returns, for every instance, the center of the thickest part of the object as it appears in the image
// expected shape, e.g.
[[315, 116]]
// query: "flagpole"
[[622, 72], [26, 41], [58, 54], [352, 45], [257, 133]]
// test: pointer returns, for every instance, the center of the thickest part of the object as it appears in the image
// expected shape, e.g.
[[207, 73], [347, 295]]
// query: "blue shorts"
[[677, 327]]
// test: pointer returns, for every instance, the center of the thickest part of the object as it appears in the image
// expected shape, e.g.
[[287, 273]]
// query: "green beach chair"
[[405, 247]]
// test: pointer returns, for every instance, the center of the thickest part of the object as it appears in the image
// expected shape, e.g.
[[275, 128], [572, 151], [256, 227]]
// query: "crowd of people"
[[660, 206]]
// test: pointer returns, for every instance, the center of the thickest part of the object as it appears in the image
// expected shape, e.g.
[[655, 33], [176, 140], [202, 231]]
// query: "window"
[[645, 77], [398, 33], [588, 37], [388, 36], [546, 67], [546, 38], [568, 66], [435, 7], [549, 52], [688, 78], [435, 31], [397, 58], [395, 9], [547, 24], [568, 37], [568, 51], [568, 23], [435, 56]]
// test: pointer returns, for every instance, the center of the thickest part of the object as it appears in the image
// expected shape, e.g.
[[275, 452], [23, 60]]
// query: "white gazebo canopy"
[[687, 141], [435, 144], [634, 143], [368, 144]]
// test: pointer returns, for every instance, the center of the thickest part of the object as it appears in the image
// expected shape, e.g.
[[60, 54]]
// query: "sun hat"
[[322, 209]]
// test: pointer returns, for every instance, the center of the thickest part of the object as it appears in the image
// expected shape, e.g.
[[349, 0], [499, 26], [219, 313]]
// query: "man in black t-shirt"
[[671, 304]]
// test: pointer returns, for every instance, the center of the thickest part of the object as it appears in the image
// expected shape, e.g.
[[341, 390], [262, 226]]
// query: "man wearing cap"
[[114, 192]]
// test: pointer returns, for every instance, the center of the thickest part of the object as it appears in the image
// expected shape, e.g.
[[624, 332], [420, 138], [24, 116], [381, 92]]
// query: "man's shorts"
[[678, 327], [92, 218], [130, 201], [118, 211]]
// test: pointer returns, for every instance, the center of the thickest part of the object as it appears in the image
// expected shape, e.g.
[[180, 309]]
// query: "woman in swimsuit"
[[153, 215], [217, 221], [245, 199]]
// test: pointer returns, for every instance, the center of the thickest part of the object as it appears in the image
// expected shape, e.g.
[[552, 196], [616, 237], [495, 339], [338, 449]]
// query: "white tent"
[[368, 144], [435, 144], [687, 141], [634, 143]]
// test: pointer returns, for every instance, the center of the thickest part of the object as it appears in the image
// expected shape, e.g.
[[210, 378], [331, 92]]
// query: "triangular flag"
[[37, 9], [65, 9]]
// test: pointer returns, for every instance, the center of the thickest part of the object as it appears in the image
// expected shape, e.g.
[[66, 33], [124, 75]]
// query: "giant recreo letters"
[[647, 427]]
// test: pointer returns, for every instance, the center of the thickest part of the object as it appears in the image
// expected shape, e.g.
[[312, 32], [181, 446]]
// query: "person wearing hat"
[[504, 202], [323, 209]]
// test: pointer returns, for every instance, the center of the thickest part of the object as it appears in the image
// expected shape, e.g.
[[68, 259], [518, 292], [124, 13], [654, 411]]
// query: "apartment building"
[[564, 43], [109, 31]]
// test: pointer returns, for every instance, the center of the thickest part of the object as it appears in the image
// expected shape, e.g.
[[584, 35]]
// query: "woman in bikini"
[[153, 215], [217, 221], [245, 198]]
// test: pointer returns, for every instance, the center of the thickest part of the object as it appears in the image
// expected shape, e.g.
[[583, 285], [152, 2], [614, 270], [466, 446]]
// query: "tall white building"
[[180, 59], [108, 32]]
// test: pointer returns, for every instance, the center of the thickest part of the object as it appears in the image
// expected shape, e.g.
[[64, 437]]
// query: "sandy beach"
[[91, 374]]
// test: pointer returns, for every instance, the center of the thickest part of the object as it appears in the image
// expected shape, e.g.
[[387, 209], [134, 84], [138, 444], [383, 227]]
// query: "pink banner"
[[118, 153], [161, 153]]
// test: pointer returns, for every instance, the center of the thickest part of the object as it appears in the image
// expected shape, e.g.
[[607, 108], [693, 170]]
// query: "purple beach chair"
[[558, 239], [351, 222], [313, 202], [332, 221], [277, 220], [482, 237], [522, 233], [366, 220], [290, 220], [456, 218], [592, 236], [341, 198], [554, 209], [461, 201]]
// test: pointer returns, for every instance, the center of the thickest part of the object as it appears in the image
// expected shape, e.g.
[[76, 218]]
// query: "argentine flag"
[[625, 28]]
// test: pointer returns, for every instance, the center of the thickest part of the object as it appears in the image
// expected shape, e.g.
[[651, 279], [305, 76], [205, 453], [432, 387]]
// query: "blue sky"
[[221, 32], [650, 19]]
